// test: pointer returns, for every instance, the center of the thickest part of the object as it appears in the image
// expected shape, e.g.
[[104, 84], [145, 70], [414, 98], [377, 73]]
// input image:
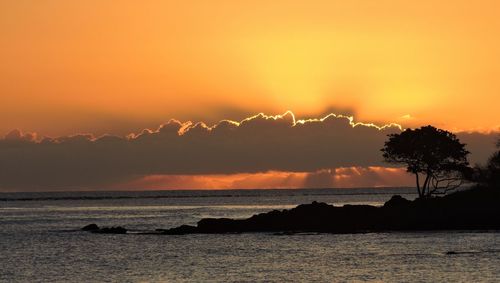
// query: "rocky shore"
[[475, 209]]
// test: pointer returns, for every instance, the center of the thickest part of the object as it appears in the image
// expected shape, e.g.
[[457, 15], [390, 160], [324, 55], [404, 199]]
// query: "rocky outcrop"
[[105, 230], [477, 209]]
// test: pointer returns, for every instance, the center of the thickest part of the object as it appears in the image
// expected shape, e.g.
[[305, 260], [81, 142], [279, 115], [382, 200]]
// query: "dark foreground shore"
[[475, 209]]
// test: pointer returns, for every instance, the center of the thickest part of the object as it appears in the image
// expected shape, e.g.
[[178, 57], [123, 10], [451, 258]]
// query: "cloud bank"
[[257, 144]]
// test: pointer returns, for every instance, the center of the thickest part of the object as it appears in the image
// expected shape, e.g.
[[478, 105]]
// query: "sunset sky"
[[119, 67]]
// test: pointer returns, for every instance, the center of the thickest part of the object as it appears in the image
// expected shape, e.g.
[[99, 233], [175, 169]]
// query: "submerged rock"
[[90, 227], [93, 228], [181, 230], [111, 230]]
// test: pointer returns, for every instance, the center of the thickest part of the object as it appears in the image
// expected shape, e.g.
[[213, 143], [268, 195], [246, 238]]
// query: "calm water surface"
[[37, 244]]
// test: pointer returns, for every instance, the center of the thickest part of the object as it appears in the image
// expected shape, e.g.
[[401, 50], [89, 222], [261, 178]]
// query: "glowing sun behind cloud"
[[106, 67]]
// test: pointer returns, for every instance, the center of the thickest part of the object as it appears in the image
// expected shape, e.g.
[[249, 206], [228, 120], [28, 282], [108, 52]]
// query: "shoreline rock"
[[475, 209], [93, 228]]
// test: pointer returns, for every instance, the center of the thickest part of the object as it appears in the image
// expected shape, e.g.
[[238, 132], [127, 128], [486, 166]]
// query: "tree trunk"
[[418, 185], [425, 188]]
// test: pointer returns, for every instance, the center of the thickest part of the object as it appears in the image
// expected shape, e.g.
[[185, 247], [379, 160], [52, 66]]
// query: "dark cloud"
[[257, 144], [481, 145]]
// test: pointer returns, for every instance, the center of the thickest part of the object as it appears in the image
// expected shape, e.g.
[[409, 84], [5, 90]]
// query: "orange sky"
[[119, 66], [352, 177]]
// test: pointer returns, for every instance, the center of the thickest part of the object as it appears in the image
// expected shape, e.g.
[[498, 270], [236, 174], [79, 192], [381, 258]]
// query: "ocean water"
[[40, 241]]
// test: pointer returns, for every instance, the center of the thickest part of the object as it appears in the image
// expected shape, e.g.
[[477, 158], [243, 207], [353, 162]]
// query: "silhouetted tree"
[[489, 175], [435, 155], [494, 170]]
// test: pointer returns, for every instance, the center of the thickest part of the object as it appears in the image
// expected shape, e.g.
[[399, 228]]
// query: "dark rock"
[[475, 209], [111, 230], [181, 230], [397, 201], [91, 227]]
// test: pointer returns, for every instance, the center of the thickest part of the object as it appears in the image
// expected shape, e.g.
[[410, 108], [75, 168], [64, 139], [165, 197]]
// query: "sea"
[[41, 241]]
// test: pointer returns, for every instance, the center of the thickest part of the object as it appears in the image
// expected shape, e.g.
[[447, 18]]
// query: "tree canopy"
[[435, 155]]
